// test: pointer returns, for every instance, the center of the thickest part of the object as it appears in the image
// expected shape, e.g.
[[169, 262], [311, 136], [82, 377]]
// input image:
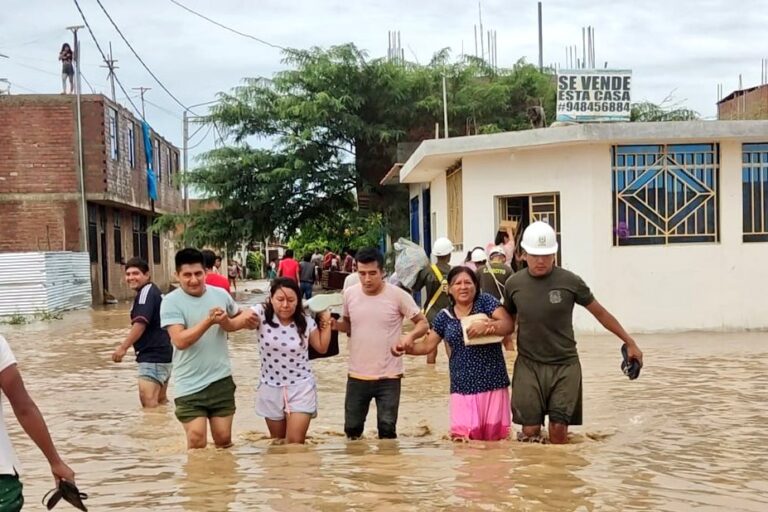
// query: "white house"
[[667, 222]]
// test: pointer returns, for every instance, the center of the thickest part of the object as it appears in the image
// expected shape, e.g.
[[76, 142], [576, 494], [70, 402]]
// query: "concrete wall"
[[652, 288]]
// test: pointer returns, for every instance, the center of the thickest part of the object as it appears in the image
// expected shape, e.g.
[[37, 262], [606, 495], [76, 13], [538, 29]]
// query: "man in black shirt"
[[151, 343]]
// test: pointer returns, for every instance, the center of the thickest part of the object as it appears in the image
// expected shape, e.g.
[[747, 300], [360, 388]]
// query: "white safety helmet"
[[497, 250], [442, 247], [478, 255], [539, 239]]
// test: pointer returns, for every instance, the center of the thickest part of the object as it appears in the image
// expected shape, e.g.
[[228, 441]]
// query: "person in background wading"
[[433, 278], [306, 276], [492, 277], [211, 276], [151, 343]]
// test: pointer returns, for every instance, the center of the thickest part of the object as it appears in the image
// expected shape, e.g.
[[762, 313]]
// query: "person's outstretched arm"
[[31, 420], [609, 321]]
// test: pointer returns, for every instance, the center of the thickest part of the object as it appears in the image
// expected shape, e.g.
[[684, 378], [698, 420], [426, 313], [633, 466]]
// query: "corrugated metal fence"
[[36, 282]]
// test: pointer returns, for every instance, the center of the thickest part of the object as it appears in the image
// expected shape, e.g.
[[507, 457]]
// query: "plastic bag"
[[410, 258]]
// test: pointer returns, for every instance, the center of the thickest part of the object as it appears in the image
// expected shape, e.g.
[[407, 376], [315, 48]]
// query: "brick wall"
[[749, 105], [39, 225], [37, 144], [127, 183], [39, 191]]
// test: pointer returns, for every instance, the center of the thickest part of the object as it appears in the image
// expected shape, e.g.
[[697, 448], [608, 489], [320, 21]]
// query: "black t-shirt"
[[544, 309], [154, 346]]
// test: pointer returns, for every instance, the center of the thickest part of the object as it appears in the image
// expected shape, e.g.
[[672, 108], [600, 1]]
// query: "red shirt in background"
[[219, 280], [289, 268]]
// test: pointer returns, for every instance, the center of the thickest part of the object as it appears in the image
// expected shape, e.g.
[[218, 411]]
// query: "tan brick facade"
[[745, 104], [40, 193]]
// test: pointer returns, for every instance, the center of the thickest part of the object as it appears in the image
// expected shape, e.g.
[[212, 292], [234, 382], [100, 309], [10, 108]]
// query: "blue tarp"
[[151, 178]]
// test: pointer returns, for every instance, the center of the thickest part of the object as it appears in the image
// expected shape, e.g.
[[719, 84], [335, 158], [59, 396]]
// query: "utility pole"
[[541, 43], [111, 76], [185, 147], [142, 90], [81, 166], [445, 109]]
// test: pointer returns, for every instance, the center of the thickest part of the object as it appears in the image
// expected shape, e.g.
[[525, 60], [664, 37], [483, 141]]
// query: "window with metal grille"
[[158, 165], [93, 233], [140, 242], [156, 257], [113, 128], [754, 190], [132, 144], [169, 164], [117, 233], [665, 194], [176, 168]]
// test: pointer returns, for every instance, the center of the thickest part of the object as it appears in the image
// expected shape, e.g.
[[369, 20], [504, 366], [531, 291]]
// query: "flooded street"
[[689, 434]]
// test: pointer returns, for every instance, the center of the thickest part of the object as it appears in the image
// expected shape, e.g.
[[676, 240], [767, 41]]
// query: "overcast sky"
[[685, 47]]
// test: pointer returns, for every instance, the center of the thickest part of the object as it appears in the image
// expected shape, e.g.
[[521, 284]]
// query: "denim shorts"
[[158, 373]]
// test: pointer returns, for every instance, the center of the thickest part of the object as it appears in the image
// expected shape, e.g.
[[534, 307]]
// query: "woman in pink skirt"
[[480, 407]]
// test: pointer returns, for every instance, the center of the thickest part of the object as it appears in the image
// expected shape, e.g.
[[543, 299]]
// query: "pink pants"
[[483, 417]]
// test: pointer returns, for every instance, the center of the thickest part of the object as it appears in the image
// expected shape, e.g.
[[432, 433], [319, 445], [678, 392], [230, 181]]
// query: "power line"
[[249, 36], [15, 84], [161, 84], [86, 81], [51, 73], [103, 56], [201, 140]]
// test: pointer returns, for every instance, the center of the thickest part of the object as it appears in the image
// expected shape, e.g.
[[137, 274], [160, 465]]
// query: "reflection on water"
[[688, 434]]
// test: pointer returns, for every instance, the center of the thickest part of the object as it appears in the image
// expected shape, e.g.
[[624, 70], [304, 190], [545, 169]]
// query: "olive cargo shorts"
[[540, 389]]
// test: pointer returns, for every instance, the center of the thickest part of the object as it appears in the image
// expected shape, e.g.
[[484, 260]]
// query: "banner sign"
[[586, 95]]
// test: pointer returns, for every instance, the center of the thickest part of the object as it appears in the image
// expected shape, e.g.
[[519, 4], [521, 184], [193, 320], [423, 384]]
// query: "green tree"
[[667, 110], [335, 118], [348, 229]]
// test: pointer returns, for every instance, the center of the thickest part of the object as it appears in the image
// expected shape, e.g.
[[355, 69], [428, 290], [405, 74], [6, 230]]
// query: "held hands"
[[326, 320], [403, 346], [118, 354], [250, 319], [217, 315]]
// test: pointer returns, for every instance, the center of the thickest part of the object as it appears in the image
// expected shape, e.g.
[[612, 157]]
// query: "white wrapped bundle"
[[410, 258]]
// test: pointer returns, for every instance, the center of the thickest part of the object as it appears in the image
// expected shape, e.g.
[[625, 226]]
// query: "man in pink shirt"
[[373, 316]]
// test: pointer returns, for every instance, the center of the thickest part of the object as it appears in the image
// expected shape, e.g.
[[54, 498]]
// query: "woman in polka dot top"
[[287, 393], [480, 406]]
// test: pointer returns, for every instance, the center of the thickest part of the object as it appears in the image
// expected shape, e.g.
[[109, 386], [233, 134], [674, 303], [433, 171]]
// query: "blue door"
[[415, 219]]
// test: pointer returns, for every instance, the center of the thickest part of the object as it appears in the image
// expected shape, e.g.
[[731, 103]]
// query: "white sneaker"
[[324, 301]]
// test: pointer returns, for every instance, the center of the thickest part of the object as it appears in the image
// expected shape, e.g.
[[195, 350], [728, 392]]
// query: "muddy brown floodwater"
[[689, 434]]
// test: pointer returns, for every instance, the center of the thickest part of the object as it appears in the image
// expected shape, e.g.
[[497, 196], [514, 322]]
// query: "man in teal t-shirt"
[[198, 318]]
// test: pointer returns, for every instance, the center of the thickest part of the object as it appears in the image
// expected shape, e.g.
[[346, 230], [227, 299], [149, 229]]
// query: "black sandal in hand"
[[69, 492]]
